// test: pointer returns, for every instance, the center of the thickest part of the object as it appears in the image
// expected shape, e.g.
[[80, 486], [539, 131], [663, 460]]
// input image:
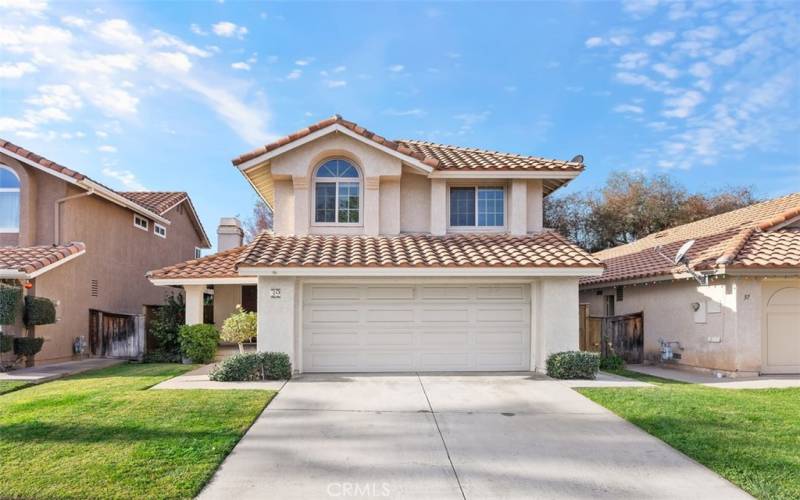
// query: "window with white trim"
[[477, 206], [160, 230], [141, 222], [337, 193], [9, 200]]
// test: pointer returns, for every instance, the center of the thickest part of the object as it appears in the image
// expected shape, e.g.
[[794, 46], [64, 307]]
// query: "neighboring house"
[[745, 321], [398, 256], [87, 247]]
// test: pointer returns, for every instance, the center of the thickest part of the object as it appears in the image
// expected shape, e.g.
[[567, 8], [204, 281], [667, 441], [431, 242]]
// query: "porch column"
[[372, 206], [276, 315], [301, 203], [438, 207], [194, 303]]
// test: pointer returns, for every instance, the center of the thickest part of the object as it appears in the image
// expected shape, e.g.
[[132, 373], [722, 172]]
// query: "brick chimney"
[[229, 234]]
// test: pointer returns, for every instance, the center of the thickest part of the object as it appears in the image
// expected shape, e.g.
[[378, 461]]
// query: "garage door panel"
[[390, 327], [783, 344]]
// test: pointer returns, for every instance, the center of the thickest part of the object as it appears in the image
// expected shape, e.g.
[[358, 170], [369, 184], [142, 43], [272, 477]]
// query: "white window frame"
[[163, 229], [337, 180], [198, 252], [18, 190], [476, 228], [137, 218]]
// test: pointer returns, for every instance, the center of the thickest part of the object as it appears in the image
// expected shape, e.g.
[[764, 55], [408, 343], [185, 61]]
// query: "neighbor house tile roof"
[[29, 155], [31, 259], [155, 201], [747, 237], [545, 249], [218, 265], [438, 156]]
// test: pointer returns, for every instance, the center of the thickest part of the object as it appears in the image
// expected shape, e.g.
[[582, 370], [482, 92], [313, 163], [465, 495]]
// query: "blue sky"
[[161, 96]]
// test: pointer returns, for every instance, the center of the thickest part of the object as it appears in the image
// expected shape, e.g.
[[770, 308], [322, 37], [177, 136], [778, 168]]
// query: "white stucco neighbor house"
[[397, 256], [745, 321]]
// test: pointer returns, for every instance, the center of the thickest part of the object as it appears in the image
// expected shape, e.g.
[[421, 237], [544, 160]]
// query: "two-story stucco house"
[[85, 246], [399, 256]]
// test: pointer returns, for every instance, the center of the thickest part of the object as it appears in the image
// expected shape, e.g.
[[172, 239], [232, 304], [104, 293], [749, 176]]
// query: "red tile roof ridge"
[[486, 151]]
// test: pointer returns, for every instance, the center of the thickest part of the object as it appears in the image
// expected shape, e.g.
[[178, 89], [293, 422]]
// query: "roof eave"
[[399, 271]]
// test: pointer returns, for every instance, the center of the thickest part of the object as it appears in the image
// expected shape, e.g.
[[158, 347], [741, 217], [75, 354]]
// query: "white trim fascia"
[[242, 280], [648, 279], [501, 174], [771, 272], [12, 274], [336, 127], [206, 241], [421, 271]]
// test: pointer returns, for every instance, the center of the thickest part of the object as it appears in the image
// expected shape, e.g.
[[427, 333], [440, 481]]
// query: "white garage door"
[[782, 339], [384, 328]]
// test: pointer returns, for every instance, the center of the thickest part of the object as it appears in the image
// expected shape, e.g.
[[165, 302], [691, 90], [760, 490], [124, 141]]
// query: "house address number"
[[275, 293]]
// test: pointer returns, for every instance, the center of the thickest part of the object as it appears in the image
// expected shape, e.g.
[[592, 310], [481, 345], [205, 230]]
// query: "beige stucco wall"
[[728, 340], [226, 298], [117, 255], [415, 203]]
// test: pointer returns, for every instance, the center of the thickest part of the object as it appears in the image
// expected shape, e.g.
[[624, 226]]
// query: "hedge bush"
[[166, 323], [573, 364], [253, 366], [27, 346], [199, 342], [6, 343], [39, 311], [240, 327], [10, 299], [612, 362]]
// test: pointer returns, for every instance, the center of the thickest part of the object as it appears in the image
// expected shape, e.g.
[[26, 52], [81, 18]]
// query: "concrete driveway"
[[451, 436]]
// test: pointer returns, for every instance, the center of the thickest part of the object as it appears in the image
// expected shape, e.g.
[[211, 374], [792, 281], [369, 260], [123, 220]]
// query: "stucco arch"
[[27, 207], [789, 296]]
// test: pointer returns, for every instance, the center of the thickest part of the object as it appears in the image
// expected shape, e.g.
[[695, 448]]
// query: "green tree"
[[167, 322], [240, 327]]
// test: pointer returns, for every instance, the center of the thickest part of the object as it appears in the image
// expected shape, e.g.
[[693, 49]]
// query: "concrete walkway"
[[451, 436], [45, 373], [692, 377], [198, 379]]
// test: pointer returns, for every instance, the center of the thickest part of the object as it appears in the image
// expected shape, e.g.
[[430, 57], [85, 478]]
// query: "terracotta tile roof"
[[30, 259], [775, 249], [61, 169], [155, 201], [218, 265], [546, 249], [719, 240], [438, 156]]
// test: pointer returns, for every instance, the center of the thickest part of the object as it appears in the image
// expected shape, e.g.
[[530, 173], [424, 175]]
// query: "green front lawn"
[[11, 385], [102, 434], [751, 437]]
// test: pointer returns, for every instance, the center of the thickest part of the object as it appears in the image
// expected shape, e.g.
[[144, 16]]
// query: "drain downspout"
[[57, 219]]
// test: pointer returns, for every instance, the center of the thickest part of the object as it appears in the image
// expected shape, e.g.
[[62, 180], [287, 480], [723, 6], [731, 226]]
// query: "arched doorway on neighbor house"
[[781, 332]]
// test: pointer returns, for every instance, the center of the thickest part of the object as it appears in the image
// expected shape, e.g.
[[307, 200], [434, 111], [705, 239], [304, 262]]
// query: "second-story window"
[[140, 222], [9, 200], [477, 206], [160, 230], [337, 193]]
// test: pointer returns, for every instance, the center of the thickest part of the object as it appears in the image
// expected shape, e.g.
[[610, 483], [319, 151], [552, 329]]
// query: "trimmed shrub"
[[253, 366], [240, 327], [39, 311], [166, 323], [199, 342], [573, 364], [612, 362], [10, 300], [27, 346], [6, 343]]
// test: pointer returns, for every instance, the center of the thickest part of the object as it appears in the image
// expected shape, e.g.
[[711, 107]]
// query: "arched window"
[[337, 193], [9, 200]]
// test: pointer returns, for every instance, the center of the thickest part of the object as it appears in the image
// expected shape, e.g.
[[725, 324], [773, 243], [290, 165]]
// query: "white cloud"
[[619, 40], [34, 7], [294, 74], [332, 84], [339, 69], [105, 63], [469, 120], [241, 65], [632, 60], [725, 57], [77, 22], [628, 108], [666, 70], [304, 62], [594, 41], [162, 40], [107, 148], [109, 100], [396, 68], [639, 8], [682, 106], [405, 112], [8, 124], [16, 70], [46, 115], [659, 38], [118, 32], [170, 61], [228, 29], [126, 178], [197, 30], [101, 134], [59, 96]]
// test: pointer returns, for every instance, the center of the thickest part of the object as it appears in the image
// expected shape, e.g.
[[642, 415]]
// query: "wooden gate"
[[590, 329], [115, 335], [624, 335]]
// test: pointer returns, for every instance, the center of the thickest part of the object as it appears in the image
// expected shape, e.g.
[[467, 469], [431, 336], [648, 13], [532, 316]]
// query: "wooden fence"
[[116, 335], [623, 335]]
